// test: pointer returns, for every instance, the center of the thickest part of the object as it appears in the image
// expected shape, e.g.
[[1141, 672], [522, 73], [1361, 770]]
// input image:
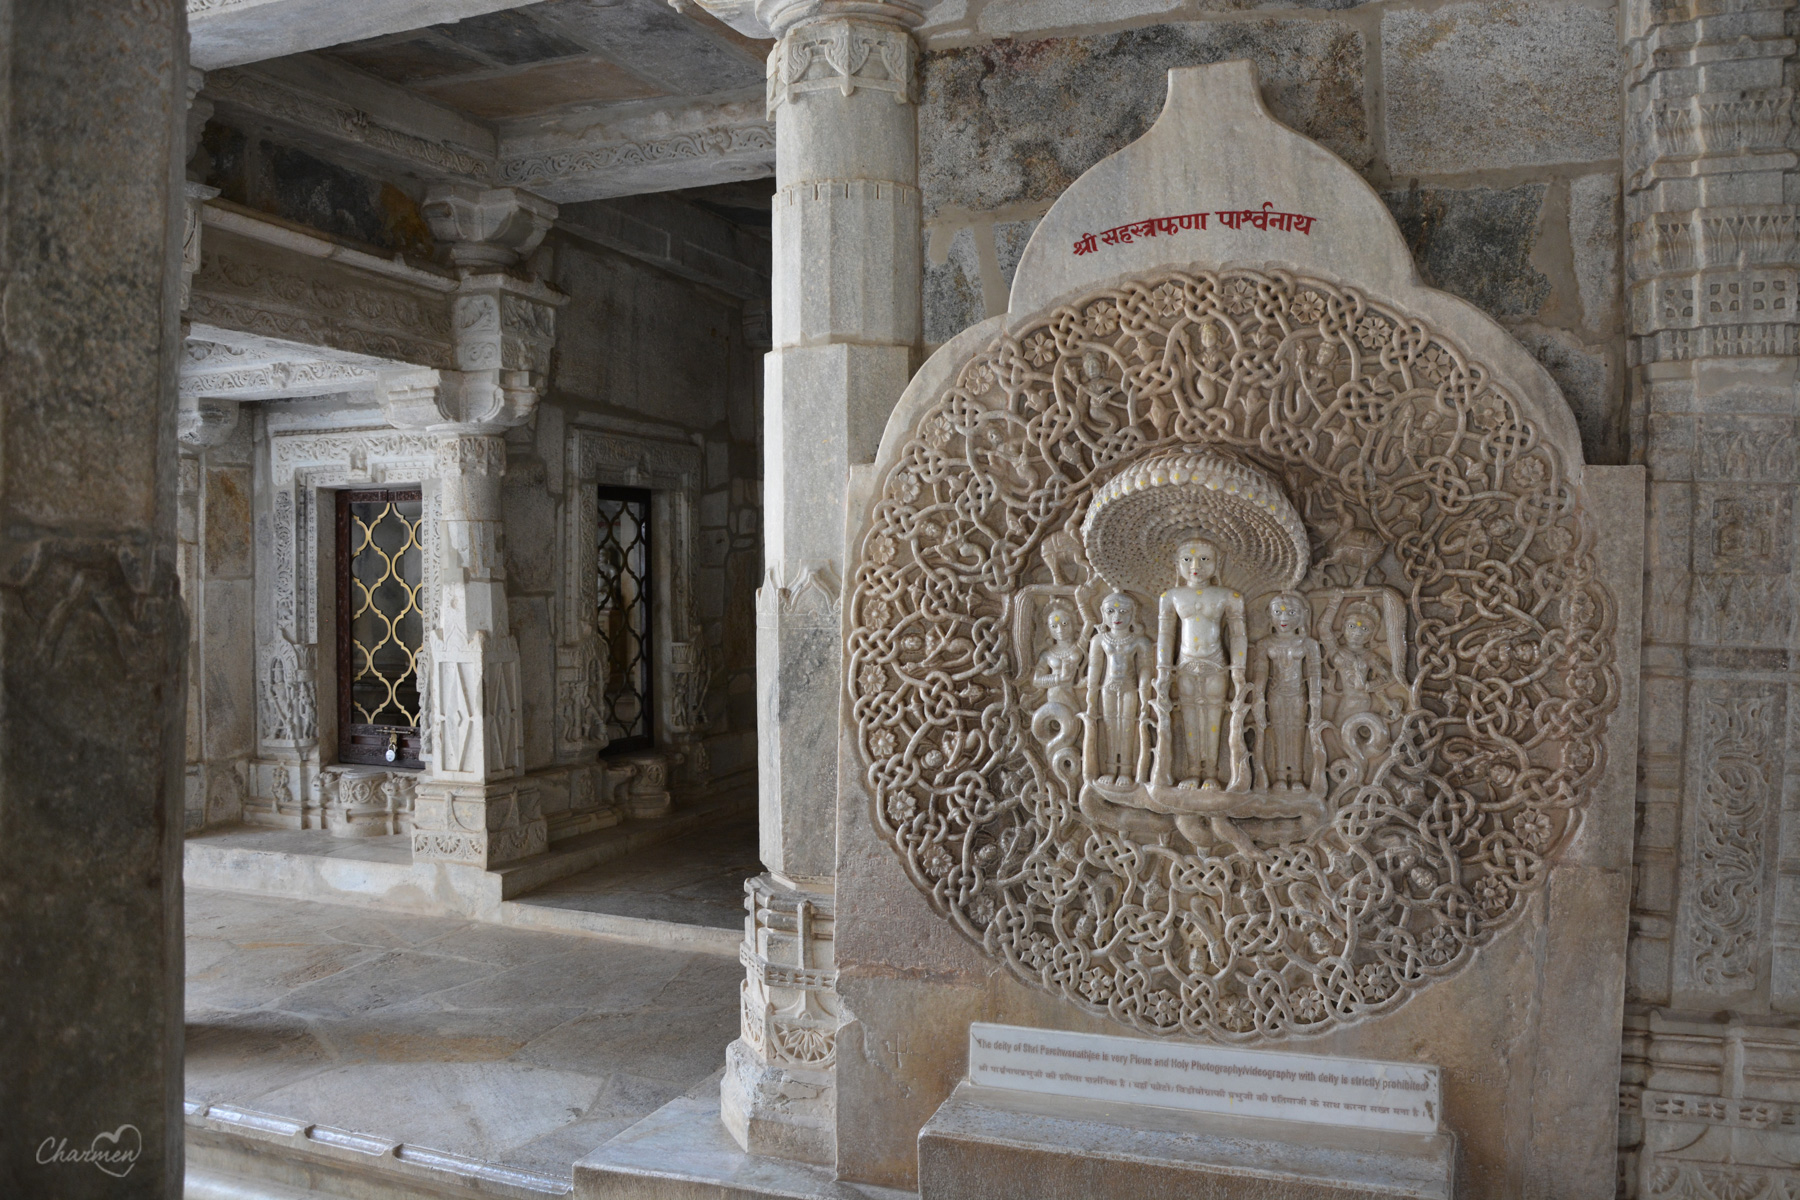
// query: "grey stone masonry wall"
[[664, 354], [91, 627], [1713, 276], [1491, 127]]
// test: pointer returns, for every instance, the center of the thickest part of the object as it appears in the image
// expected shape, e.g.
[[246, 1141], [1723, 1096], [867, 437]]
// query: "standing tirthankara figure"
[[1207, 614], [1120, 669]]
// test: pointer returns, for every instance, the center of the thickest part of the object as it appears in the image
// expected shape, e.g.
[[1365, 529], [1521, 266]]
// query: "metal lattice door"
[[381, 625], [624, 618]]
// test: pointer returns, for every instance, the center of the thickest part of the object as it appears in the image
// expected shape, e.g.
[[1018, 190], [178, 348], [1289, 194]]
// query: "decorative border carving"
[[672, 472]]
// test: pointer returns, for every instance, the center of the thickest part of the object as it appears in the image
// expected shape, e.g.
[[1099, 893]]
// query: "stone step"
[[682, 1152], [997, 1144], [241, 1154]]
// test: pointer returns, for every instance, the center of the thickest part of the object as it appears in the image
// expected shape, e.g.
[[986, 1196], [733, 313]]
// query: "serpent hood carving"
[[1227, 653]]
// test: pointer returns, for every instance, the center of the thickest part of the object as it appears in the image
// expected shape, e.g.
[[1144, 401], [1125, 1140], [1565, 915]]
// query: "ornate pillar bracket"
[[487, 228], [844, 328]]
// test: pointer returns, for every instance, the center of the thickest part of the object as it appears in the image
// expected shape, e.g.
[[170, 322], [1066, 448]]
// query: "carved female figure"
[[1059, 666], [1206, 614], [1285, 670], [1358, 672], [1120, 670]]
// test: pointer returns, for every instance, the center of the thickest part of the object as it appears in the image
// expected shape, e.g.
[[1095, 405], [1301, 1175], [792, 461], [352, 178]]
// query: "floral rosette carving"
[[1427, 850]]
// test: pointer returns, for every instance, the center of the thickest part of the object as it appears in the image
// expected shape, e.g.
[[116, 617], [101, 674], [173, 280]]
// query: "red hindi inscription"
[[1264, 218]]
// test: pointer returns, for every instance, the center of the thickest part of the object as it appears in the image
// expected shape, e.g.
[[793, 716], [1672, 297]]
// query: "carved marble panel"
[[1227, 654]]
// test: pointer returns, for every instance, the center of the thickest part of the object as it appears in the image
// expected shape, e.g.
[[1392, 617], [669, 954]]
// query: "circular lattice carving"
[[1142, 516], [1451, 611]]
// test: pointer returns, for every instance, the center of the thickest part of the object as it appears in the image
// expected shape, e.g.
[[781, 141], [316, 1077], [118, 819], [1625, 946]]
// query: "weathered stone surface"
[[1010, 238], [1018, 121], [1589, 381], [1533, 81], [1477, 243], [1594, 219], [90, 619], [1008, 18], [299, 186], [953, 297]]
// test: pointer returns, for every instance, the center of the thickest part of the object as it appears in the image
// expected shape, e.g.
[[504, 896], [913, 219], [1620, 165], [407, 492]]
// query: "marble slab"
[[1316, 1089]]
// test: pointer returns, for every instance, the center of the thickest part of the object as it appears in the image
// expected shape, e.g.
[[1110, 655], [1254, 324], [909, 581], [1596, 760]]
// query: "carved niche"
[[1227, 654]]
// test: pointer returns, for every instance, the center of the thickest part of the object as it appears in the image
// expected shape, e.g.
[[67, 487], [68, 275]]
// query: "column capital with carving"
[[486, 228], [843, 54]]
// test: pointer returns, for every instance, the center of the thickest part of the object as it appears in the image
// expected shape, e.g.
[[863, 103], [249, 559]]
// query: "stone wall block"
[[1536, 82], [996, 125], [953, 293]]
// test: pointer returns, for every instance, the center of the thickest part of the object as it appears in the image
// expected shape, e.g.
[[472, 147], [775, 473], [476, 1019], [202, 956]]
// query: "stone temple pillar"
[[841, 91], [472, 808], [475, 807], [1713, 264], [91, 626]]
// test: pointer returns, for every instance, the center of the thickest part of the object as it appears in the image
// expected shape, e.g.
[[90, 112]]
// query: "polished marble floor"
[[523, 1048], [697, 879]]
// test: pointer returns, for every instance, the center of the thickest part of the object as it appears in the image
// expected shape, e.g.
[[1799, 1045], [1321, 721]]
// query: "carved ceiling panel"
[[1227, 654]]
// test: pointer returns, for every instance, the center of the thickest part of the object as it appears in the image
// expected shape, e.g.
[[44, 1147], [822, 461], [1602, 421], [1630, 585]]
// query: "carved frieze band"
[[319, 304], [333, 118], [755, 141]]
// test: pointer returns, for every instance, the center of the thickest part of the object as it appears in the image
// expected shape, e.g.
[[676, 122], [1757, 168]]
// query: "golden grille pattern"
[[381, 622]]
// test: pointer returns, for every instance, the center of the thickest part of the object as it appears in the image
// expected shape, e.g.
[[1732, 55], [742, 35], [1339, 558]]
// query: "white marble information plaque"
[[1248, 1083]]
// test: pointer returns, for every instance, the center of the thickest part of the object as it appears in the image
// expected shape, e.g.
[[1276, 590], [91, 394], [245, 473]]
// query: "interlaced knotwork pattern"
[[1396, 447]]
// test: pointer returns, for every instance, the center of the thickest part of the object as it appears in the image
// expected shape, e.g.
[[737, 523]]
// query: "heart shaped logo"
[[121, 1152]]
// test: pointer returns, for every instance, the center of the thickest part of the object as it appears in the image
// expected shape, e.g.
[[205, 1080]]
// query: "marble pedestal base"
[[992, 1144], [778, 1111]]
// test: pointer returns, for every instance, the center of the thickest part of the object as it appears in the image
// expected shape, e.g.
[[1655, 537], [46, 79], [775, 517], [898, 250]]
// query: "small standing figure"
[[1120, 669], [1359, 674], [1059, 666], [1285, 669], [1207, 614]]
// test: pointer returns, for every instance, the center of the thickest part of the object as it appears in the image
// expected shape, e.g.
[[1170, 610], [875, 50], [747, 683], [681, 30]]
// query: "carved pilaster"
[[475, 695], [472, 808], [1713, 269]]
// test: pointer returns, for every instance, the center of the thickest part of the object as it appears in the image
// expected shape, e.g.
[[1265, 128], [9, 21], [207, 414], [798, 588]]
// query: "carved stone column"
[[91, 627], [475, 808], [1714, 270], [472, 809], [841, 90]]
